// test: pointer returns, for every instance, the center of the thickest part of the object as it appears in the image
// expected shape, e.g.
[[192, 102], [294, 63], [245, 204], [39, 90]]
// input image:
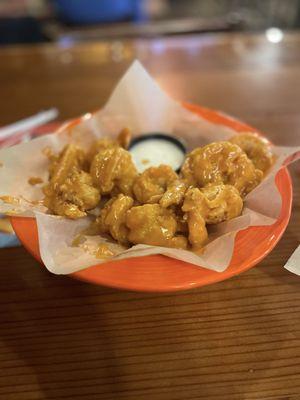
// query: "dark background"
[[30, 21]]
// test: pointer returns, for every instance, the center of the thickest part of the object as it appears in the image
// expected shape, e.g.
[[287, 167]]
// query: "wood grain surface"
[[235, 340]]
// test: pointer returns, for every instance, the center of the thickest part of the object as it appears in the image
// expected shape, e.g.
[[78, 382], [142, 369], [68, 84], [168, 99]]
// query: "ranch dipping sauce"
[[152, 150]]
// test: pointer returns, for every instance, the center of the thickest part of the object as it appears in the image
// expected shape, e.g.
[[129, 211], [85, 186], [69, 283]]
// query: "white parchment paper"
[[293, 263], [138, 103]]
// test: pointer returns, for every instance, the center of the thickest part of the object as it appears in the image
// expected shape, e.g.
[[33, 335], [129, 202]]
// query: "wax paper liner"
[[138, 103], [293, 263]]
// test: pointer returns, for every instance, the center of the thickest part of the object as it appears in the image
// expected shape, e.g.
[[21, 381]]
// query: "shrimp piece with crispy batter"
[[221, 162], [150, 186], [153, 225], [256, 148], [112, 218], [210, 205], [113, 169], [70, 191]]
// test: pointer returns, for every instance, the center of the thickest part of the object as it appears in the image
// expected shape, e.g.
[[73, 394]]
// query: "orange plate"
[[161, 274]]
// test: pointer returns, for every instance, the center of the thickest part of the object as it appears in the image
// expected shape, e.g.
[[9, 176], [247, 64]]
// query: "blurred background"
[[69, 21]]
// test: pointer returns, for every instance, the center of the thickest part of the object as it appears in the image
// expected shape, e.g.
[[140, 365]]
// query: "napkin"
[[139, 104]]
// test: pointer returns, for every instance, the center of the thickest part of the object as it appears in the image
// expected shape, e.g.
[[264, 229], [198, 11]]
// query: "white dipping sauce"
[[153, 152]]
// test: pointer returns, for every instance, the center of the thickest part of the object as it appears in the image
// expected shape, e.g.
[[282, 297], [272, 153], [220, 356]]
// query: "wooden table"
[[238, 339]]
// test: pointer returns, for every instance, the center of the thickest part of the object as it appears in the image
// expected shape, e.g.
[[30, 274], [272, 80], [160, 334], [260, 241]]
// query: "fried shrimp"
[[221, 162], [112, 218], [70, 191], [151, 185], [113, 168], [256, 148], [153, 225], [157, 207]]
